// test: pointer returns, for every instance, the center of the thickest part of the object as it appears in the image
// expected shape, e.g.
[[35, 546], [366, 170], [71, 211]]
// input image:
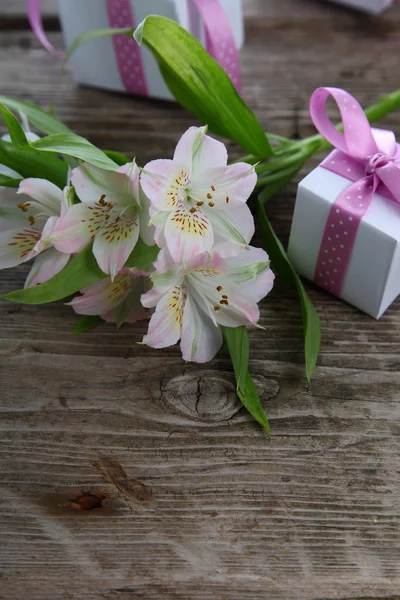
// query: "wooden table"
[[199, 504]]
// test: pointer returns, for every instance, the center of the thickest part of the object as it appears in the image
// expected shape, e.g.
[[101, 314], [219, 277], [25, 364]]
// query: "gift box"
[[371, 6], [117, 63], [345, 233]]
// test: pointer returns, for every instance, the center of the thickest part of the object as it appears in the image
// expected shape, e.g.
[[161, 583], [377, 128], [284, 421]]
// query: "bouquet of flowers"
[[168, 241]]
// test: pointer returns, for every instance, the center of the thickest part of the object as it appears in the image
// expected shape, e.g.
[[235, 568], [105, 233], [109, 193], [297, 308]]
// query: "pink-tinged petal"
[[16, 245], [45, 266], [79, 226], [103, 296], [165, 324], [164, 261], [250, 269], [92, 184], [199, 151], [240, 310], [44, 192], [130, 309], [46, 239], [225, 187], [151, 298], [187, 234], [211, 264], [166, 275], [114, 243], [236, 226], [225, 302], [201, 338], [164, 182], [132, 172]]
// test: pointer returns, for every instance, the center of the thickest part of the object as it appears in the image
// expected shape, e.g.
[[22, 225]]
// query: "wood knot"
[[208, 395]]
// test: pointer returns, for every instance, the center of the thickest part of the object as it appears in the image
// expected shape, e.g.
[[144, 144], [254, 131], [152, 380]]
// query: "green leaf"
[[201, 85], [118, 157], [58, 143], [87, 322], [42, 120], [142, 256], [31, 163], [272, 188], [17, 134], [285, 270], [197, 81], [250, 400], [237, 341], [76, 146], [79, 273], [6, 181]]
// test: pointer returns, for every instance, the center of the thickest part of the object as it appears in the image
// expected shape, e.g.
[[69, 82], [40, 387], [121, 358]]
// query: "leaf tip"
[[138, 33]]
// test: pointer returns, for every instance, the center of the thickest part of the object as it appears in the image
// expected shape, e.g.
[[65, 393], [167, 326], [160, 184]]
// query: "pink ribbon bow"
[[368, 157], [220, 42]]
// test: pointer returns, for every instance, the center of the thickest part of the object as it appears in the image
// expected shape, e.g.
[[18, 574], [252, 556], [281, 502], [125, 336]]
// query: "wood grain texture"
[[194, 502]]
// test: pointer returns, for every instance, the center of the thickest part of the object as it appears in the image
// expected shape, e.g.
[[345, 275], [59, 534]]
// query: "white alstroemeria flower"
[[197, 200], [26, 227], [116, 301], [192, 301], [113, 211]]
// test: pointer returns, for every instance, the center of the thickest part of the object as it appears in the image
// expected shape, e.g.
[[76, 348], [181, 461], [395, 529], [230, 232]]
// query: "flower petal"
[[250, 269], [78, 226], [130, 309], [115, 241], [46, 240], [201, 339], [187, 234], [224, 302], [199, 151], [16, 245], [118, 187], [164, 182], [103, 296], [165, 324], [225, 187], [45, 266], [235, 226], [44, 192]]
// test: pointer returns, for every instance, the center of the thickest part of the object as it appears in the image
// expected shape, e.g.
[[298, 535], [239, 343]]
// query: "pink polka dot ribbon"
[[127, 51], [370, 159], [220, 42]]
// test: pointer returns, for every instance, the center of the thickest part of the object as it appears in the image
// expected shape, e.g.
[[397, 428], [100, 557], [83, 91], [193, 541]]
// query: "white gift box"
[[372, 280], [371, 6], [96, 64]]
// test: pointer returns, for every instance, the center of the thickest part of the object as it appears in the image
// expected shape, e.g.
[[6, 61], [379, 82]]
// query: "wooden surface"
[[193, 501]]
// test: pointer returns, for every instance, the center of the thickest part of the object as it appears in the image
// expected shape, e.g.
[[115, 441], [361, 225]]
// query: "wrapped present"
[[118, 63], [371, 6], [345, 232]]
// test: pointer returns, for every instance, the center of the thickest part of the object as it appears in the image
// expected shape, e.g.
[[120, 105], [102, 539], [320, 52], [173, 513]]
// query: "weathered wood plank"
[[310, 513]]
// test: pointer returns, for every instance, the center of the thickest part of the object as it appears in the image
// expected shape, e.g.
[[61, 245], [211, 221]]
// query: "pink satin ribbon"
[[219, 40], [365, 156], [35, 21]]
